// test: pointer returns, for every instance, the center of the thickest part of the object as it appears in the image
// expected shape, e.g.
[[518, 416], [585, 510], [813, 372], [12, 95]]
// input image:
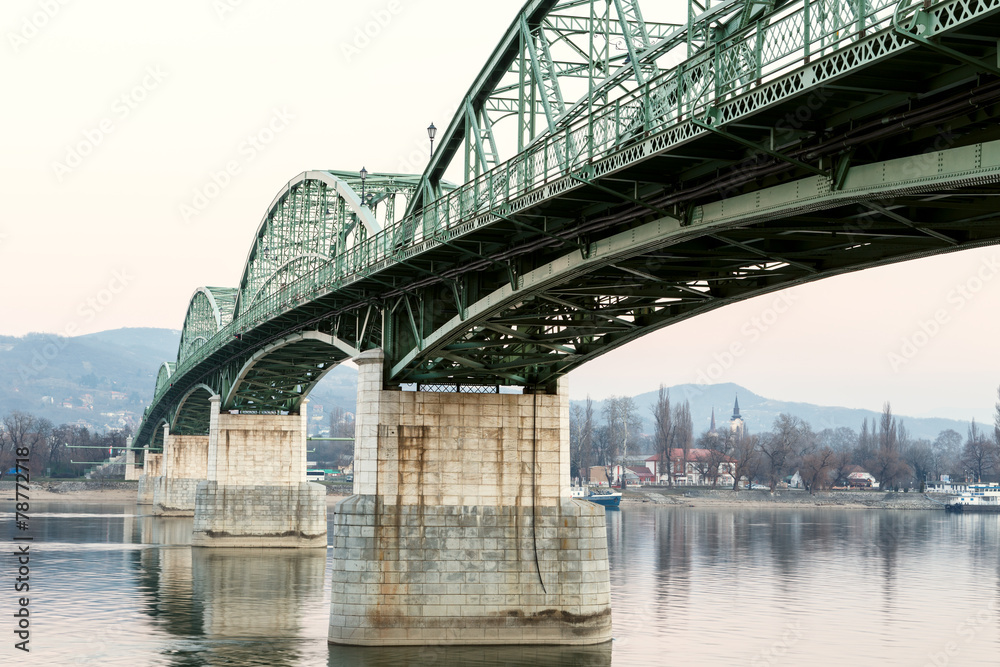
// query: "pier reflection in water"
[[690, 586], [232, 606]]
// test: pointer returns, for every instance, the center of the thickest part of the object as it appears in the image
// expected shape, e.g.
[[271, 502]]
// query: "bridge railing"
[[765, 51]]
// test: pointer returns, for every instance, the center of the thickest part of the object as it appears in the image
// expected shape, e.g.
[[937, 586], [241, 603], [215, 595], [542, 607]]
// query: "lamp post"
[[364, 175], [432, 132]]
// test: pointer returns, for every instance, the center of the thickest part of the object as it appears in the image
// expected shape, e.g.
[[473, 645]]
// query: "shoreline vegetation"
[[125, 492]]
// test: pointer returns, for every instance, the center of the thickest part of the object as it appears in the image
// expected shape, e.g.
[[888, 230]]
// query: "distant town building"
[[859, 478], [696, 469]]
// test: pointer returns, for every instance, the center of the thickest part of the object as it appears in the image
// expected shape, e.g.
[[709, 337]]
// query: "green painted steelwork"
[[621, 173]]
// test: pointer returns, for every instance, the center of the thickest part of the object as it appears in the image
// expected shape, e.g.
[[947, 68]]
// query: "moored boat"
[[978, 498], [606, 498]]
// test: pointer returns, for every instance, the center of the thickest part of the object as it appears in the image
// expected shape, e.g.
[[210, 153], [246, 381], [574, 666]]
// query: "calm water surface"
[[689, 586]]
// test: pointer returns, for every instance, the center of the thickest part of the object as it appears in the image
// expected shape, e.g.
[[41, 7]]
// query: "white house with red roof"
[[859, 478], [696, 469]]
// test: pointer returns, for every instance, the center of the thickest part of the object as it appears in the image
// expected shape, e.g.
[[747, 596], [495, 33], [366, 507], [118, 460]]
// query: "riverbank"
[[787, 498], [83, 491], [92, 491]]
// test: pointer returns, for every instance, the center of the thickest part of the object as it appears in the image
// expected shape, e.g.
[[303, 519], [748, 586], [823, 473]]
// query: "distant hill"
[[759, 412], [105, 380]]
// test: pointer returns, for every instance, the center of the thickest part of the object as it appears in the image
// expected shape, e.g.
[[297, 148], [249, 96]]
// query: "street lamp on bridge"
[[364, 175], [432, 132]]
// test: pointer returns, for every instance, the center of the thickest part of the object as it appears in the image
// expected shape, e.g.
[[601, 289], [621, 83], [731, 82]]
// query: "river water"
[[110, 586]]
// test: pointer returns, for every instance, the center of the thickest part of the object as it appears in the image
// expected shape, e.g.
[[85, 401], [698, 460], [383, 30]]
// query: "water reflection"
[[228, 606], [257, 596], [795, 585], [689, 586], [472, 656]]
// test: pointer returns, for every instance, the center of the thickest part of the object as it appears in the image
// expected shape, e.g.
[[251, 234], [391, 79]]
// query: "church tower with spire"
[[712, 428], [736, 423]]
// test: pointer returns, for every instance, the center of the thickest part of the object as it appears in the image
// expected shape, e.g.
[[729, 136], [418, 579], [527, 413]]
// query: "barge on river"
[[978, 498]]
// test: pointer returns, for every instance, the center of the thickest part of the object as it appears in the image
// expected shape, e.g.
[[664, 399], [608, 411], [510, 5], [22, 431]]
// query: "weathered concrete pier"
[[256, 493], [152, 467], [184, 461], [461, 529]]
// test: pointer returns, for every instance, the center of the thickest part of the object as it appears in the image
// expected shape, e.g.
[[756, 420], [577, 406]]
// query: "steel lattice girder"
[[417, 286]]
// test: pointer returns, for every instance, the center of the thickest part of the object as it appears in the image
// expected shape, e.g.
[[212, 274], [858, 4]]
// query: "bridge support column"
[[151, 469], [185, 461], [462, 529], [257, 494], [131, 470]]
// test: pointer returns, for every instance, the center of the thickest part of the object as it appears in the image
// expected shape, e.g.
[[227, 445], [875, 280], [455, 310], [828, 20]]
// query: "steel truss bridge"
[[622, 172]]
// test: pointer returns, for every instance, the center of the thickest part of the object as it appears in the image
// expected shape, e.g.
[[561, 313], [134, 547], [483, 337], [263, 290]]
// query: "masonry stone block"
[[256, 493], [462, 529], [151, 469], [184, 463]]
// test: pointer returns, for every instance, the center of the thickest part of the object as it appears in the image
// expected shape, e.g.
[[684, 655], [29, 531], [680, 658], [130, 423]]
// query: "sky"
[[143, 143]]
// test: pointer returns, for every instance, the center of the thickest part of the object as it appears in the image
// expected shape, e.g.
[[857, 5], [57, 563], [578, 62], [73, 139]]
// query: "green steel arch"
[[163, 376], [156, 435], [317, 216], [210, 309], [621, 173], [280, 375]]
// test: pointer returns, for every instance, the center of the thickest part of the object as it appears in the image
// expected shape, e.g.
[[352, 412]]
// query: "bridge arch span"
[[210, 309], [194, 411], [156, 442], [315, 216], [280, 376], [163, 376]]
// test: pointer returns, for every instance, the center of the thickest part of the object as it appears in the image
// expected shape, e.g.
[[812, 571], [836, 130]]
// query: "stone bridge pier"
[[256, 493], [462, 529], [152, 467], [131, 469], [185, 459]]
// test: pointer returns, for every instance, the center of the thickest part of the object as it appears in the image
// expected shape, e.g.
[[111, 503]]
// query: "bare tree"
[[920, 457], [745, 455], [6, 450], [979, 455], [622, 418], [603, 455], [664, 433], [683, 433], [713, 462], [783, 446], [575, 424], [817, 468], [947, 450], [21, 435], [886, 462], [840, 439], [581, 438], [587, 436], [843, 463], [865, 450], [996, 420]]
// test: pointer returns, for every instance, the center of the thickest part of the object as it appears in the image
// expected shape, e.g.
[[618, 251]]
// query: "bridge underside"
[[878, 151]]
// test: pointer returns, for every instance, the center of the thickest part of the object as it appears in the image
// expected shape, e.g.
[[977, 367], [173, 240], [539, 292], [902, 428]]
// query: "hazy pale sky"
[[121, 119]]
